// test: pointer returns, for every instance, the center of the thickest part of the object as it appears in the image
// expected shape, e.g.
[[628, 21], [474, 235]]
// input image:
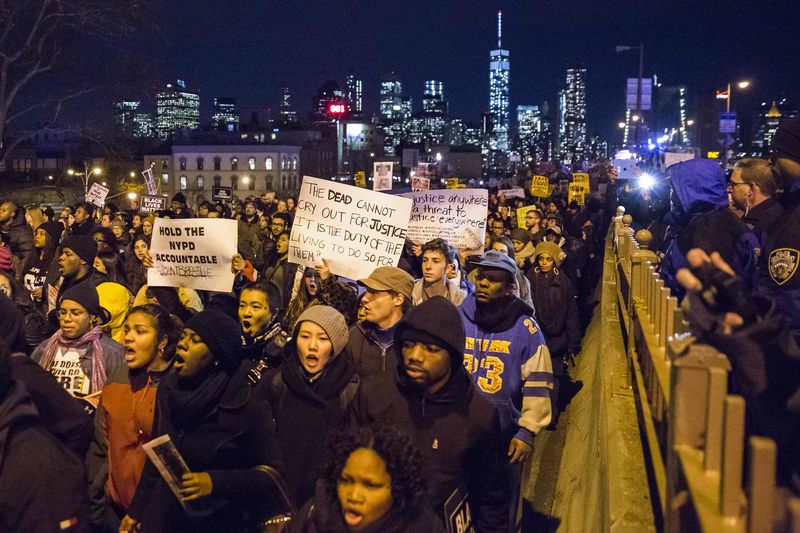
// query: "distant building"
[[249, 169], [129, 119], [572, 116], [499, 76], [286, 111], [329, 94], [770, 117], [391, 97], [354, 94], [176, 108], [225, 117]]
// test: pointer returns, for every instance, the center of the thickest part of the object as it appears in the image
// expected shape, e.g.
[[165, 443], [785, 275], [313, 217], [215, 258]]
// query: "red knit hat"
[[6, 263]]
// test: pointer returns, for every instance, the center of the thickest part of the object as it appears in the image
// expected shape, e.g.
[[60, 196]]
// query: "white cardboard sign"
[[97, 195], [194, 253], [456, 215], [356, 230], [382, 176]]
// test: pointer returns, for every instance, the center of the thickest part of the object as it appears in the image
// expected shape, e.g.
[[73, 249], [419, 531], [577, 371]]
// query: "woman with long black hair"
[[41, 259]]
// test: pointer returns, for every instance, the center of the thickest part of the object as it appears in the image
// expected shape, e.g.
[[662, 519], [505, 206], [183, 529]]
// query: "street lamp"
[[85, 174], [690, 122], [744, 84], [132, 196], [621, 125]]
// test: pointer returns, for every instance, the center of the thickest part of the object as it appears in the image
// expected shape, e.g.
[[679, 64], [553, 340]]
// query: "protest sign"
[[581, 177], [576, 193], [514, 192], [194, 252], [452, 183], [540, 186], [97, 195], [420, 184], [456, 215], [360, 179], [382, 176], [522, 212], [673, 158], [149, 181], [221, 193], [152, 204], [356, 230]]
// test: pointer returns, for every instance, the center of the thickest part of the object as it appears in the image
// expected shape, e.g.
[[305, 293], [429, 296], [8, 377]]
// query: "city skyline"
[[447, 42]]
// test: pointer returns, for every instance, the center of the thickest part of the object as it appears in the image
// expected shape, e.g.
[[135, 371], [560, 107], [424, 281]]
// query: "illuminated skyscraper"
[[286, 110], [391, 97], [354, 89], [572, 115], [499, 73], [176, 107], [225, 117]]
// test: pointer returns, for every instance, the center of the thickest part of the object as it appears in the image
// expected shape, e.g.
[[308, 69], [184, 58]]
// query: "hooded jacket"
[[228, 441], [42, 483], [509, 362], [20, 236], [700, 218], [456, 428]]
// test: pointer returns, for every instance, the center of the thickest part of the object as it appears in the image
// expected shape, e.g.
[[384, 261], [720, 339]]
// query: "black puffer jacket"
[[554, 298], [20, 235], [456, 428]]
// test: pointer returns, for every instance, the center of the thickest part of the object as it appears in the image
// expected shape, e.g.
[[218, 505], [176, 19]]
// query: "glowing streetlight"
[[70, 172], [635, 118], [690, 122], [246, 180], [621, 125], [743, 84], [104, 184], [132, 195], [97, 171], [132, 174]]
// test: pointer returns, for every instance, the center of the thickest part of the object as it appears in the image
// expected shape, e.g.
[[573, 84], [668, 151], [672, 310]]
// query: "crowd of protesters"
[[379, 404]]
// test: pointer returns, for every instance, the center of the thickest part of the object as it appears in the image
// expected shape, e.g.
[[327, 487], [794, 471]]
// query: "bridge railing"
[[692, 428]]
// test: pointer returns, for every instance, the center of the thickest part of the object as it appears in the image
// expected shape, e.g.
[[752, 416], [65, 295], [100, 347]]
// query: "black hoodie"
[[456, 428]]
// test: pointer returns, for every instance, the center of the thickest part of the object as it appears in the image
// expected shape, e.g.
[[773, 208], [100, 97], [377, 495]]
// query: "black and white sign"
[[152, 204], [221, 194]]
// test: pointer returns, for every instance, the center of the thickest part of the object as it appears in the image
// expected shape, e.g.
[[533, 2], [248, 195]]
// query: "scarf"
[[189, 403], [500, 314], [89, 340]]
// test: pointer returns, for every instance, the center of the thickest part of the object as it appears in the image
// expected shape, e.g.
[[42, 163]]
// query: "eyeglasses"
[[733, 184]]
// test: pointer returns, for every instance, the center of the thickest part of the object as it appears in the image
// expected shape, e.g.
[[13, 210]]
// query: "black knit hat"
[[54, 229], [434, 321], [179, 197], [221, 334], [86, 295], [84, 247], [787, 139]]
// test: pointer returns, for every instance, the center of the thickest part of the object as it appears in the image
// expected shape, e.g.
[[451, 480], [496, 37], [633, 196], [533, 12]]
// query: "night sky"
[[248, 48]]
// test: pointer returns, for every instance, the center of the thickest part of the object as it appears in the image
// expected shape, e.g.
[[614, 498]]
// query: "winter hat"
[[6, 263], [179, 197], [554, 229], [547, 247], [498, 260], [86, 295], [330, 320], [149, 218], [84, 247], [116, 299], [54, 229], [117, 222], [434, 321], [787, 139], [221, 334], [519, 234], [387, 278]]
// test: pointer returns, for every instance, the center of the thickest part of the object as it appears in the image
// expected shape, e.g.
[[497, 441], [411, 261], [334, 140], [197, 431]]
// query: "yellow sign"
[[581, 177], [461, 186], [713, 155], [540, 186], [361, 179], [522, 213], [576, 193], [452, 183]]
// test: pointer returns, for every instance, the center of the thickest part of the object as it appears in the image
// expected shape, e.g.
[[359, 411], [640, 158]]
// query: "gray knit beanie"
[[330, 320]]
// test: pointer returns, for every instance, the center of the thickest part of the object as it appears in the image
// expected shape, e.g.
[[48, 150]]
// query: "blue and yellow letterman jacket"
[[508, 360]]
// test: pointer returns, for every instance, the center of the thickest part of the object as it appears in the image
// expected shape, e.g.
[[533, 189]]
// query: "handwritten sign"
[[420, 184], [152, 204], [581, 177], [97, 195], [194, 252], [456, 215], [356, 230], [576, 193], [514, 192], [149, 181], [540, 186], [360, 179], [382, 176]]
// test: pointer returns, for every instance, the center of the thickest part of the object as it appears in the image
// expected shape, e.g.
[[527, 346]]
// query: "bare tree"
[[34, 38]]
